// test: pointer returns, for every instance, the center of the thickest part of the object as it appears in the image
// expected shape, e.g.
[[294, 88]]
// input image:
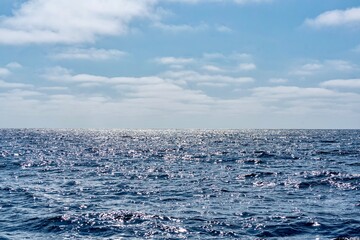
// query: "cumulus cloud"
[[67, 21], [343, 83], [335, 18], [94, 54]]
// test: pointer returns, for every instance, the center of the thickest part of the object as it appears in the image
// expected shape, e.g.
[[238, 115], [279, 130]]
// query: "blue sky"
[[180, 63]]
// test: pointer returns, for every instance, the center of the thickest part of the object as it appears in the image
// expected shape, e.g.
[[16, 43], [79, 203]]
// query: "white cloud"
[[307, 69], [241, 2], [335, 18], [4, 72], [231, 57], [159, 101], [193, 76], [167, 105], [251, 1], [4, 84], [13, 65], [278, 80], [212, 68], [174, 60], [247, 66], [67, 21], [324, 66], [340, 65], [53, 88], [211, 63], [343, 83], [281, 92], [312, 67], [212, 84], [19, 93], [177, 28], [223, 29], [64, 75], [89, 54], [308, 102]]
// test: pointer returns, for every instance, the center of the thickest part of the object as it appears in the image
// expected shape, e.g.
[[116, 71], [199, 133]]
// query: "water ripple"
[[172, 184]]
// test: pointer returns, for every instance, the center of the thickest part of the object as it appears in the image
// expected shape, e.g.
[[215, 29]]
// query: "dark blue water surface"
[[216, 184]]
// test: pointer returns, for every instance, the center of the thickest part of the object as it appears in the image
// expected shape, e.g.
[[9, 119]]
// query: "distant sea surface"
[[174, 184]]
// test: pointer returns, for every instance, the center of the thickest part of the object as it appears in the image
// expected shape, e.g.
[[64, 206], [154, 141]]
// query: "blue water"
[[123, 184]]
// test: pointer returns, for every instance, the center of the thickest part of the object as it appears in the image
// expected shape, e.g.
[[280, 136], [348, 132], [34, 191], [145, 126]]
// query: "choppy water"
[[255, 184]]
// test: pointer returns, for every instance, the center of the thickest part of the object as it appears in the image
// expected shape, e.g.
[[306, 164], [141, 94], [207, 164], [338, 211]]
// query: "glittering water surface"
[[255, 184]]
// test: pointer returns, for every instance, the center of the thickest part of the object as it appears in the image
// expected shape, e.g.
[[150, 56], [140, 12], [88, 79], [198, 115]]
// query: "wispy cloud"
[[247, 66], [278, 80], [93, 54], [196, 77], [335, 18], [4, 84], [178, 28], [251, 1], [64, 75], [240, 2], [315, 67], [212, 68], [174, 60], [342, 83], [281, 92], [223, 29], [13, 65], [308, 69]]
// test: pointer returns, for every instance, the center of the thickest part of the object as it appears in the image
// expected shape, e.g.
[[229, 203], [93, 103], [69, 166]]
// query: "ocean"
[[179, 184]]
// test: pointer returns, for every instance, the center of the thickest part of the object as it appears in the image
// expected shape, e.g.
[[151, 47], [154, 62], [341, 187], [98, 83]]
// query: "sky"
[[223, 64]]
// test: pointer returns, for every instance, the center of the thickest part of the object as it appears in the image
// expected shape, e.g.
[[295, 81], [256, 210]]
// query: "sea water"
[[179, 184]]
